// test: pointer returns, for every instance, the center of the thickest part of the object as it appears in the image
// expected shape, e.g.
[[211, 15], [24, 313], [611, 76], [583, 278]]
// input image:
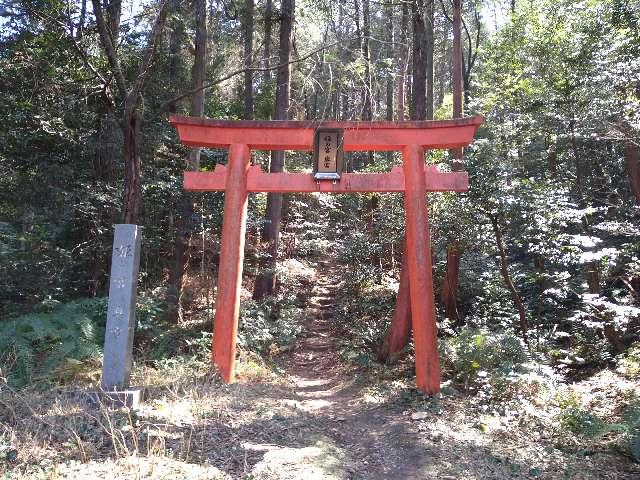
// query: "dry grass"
[[321, 419], [192, 426]]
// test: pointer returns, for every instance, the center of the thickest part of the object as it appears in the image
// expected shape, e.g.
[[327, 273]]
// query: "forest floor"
[[310, 415]]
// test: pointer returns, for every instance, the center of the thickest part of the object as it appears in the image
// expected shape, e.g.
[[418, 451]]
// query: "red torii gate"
[[415, 179]]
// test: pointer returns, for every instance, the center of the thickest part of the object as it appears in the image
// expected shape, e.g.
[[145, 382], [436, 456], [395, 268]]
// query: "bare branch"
[[109, 49], [147, 57]]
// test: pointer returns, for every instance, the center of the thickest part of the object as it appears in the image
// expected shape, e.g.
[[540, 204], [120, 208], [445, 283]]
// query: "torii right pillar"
[[418, 251]]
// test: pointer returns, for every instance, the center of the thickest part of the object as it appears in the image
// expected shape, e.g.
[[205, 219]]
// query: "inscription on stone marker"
[[118, 341]]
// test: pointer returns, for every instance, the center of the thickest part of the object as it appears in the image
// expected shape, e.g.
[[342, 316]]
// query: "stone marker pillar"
[[121, 316]]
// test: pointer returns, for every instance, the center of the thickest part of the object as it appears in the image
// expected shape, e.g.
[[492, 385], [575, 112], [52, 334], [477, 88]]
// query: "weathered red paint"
[[415, 179], [393, 181], [423, 312], [291, 135], [225, 326]]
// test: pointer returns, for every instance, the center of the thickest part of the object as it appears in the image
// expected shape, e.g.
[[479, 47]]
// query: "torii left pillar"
[[232, 251], [239, 178]]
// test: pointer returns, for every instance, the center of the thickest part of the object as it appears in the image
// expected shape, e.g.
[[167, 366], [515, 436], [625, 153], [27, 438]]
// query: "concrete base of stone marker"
[[130, 397]]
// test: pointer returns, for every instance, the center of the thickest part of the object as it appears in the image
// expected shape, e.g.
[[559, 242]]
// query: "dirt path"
[[357, 439], [345, 430]]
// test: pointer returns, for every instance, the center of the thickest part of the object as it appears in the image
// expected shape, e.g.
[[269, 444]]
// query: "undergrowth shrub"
[[625, 430], [629, 365], [473, 356], [363, 315], [270, 325]]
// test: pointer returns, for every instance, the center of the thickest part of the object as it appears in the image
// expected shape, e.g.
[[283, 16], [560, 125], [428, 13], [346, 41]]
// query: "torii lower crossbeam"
[[415, 179]]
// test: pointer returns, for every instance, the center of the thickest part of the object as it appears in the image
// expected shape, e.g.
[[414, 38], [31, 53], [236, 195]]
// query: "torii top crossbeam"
[[414, 179]]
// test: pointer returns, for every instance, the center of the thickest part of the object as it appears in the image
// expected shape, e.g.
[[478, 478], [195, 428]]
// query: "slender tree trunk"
[[113, 9], [456, 63], [367, 91], [177, 39], [429, 45], [504, 270], [82, 20], [106, 148], [266, 280], [247, 32], [402, 61], [176, 287], [576, 157], [132, 184], [130, 120], [268, 14], [449, 290], [632, 159], [367, 112], [418, 59], [443, 66], [552, 160], [356, 19], [391, 48]]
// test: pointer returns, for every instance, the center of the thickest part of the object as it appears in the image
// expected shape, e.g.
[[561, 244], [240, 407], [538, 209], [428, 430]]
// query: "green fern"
[[33, 345]]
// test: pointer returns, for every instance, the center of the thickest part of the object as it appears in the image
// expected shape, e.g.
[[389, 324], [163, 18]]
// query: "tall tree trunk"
[[113, 9], [367, 111], [402, 61], [429, 45], [247, 33], [268, 21], [456, 61], [106, 150], [177, 39], [418, 59], [504, 270], [390, 51], [176, 287], [130, 120], [132, 183], [132, 163], [449, 289], [266, 279], [444, 66], [81, 20], [449, 292]]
